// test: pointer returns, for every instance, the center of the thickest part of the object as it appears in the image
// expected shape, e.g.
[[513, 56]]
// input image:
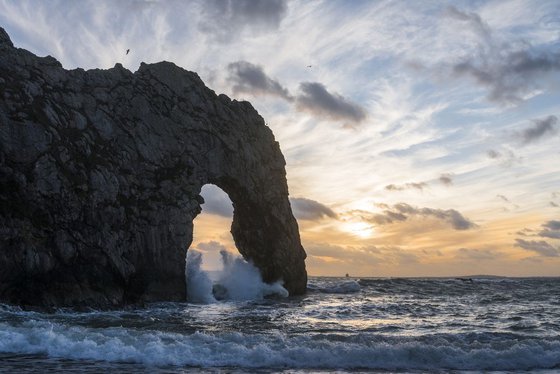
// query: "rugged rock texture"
[[100, 175]]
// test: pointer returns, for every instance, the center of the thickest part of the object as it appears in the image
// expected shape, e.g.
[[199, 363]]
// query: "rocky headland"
[[100, 176]]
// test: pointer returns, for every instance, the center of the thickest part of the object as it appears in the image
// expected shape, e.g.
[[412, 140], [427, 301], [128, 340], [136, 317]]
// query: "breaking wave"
[[238, 280], [278, 350]]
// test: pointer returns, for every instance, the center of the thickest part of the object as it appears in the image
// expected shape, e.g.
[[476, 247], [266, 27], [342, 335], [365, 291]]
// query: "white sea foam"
[[199, 284], [238, 280], [273, 350]]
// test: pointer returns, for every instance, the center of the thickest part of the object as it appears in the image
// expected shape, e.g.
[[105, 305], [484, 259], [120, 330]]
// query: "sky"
[[421, 137]]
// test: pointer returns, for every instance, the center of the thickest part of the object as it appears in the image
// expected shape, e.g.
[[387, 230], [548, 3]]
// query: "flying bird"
[[128, 50], [308, 66]]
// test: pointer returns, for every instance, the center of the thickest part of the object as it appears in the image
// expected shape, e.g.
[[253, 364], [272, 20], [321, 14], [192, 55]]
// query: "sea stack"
[[100, 176]]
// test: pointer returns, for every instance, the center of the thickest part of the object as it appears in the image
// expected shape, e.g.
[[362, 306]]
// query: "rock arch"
[[100, 176]]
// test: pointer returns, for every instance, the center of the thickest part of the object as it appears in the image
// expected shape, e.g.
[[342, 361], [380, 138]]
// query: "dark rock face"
[[100, 175]]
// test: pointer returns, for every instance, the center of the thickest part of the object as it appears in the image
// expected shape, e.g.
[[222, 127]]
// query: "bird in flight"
[[128, 50], [308, 66]]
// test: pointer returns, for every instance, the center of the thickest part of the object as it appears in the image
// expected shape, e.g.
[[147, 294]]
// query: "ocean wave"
[[336, 287], [279, 350]]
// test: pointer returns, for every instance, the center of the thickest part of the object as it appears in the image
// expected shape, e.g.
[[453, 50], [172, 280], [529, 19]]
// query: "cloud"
[[446, 179], [539, 129], [553, 204], [525, 232], [317, 100], [508, 71], [493, 154], [216, 201], [551, 229], [552, 225], [249, 78], [412, 185], [311, 210], [403, 211], [503, 198], [227, 19], [511, 77], [506, 200], [211, 246], [553, 234], [477, 24], [314, 97], [541, 247]]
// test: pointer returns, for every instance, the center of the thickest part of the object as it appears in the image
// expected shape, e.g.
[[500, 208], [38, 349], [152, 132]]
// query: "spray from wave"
[[238, 280]]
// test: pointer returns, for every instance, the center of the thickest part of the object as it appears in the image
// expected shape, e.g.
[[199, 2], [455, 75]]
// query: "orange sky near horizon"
[[417, 247]]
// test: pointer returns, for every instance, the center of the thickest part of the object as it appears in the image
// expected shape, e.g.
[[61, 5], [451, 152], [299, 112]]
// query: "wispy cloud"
[[503, 198], [510, 71], [250, 78], [316, 99], [508, 201], [311, 210], [476, 23]]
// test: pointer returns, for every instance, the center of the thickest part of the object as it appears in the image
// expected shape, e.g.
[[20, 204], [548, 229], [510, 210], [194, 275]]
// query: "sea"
[[234, 324]]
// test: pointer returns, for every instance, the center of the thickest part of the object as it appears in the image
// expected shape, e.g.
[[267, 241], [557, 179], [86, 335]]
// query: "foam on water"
[[276, 349], [238, 280]]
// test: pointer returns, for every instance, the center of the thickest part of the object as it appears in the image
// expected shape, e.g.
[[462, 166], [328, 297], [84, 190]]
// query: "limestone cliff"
[[100, 175]]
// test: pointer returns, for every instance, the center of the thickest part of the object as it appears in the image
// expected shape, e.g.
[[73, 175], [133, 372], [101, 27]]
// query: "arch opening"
[[211, 231], [215, 270]]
